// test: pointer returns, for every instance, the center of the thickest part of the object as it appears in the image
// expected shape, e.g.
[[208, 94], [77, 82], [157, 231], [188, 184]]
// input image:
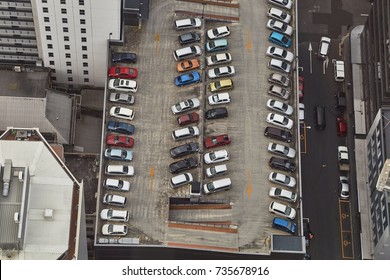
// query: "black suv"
[[189, 38], [282, 164], [184, 150], [278, 134], [124, 57], [217, 113], [182, 165]]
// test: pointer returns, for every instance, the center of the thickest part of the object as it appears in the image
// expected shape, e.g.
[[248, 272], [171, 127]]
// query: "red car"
[[122, 72], [119, 140], [301, 80], [188, 118], [216, 141], [341, 126]]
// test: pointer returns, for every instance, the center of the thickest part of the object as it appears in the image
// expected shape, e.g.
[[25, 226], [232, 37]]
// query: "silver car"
[[279, 79], [279, 107], [283, 194], [279, 65], [121, 97], [282, 179], [279, 92], [281, 150]]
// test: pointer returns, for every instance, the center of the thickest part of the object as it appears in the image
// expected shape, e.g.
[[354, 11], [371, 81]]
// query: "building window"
[[64, 20], [85, 64], [85, 72], [66, 38], [46, 19], [84, 48], [63, 11], [51, 62], [81, 2], [83, 30], [70, 79], [48, 37], [54, 78], [82, 21], [82, 12], [51, 54], [49, 46], [84, 39], [85, 56], [67, 47], [44, 1], [65, 29], [53, 71], [45, 9], [67, 55], [69, 71], [68, 63], [86, 80], [47, 28], [63, 2]]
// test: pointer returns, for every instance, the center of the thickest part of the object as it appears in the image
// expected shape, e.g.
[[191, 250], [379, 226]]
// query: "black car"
[[341, 101], [216, 113], [124, 57], [182, 165], [282, 164], [184, 150], [278, 134], [189, 38], [120, 127]]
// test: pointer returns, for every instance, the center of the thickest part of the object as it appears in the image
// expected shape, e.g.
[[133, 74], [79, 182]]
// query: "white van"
[[181, 180], [119, 170], [216, 170], [114, 215], [115, 200], [217, 185], [339, 74], [187, 52]]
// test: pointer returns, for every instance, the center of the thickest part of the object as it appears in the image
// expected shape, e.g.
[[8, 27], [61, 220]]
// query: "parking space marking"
[[249, 186], [303, 138], [347, 251], [151, 175], [157, 39], [248, 42]]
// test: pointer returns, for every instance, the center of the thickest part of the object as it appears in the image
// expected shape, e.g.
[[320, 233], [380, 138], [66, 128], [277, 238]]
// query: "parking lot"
[[245, 225]]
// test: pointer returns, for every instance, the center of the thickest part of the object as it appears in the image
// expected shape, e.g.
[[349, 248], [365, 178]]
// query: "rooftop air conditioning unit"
[[17, 69], [48, 214]]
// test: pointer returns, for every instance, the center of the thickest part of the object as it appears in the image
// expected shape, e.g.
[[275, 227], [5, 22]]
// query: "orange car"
[[188, 65]]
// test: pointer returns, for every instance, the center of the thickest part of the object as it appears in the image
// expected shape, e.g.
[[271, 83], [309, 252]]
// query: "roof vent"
[[48, 215]]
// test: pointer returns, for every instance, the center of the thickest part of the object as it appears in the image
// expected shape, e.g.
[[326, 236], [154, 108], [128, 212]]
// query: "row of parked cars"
[[279, 117], [187, 65], [122, 85]]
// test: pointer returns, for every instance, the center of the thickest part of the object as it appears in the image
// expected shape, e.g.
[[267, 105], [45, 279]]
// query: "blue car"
[[217, 45], [280, 39], [187, 79], [118, 154], [120, 127]]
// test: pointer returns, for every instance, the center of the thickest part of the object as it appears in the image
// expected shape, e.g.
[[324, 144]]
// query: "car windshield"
[[210, 186], [284, 107], [110, 228], [288, 211], [117, 110], [124, 153], [284, 40], [278, 191], [212, 156], [212, 45], [109, 213], [215, 32], [284, 65]]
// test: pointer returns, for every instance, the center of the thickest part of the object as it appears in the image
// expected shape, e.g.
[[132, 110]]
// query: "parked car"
[[279, 120], [216, 170], [120, 127], [287, 4], [119, 140], [282, 164], [279, 65], [121, 97], [182, 165], [219, 58], [282, 210], [341, 100], [343, 187], [185, 105], [280, 53], [281, 150], [278, 134], [122, 113], [216, 156], [217, 186], [187, 79], [282, 179], [279, 79], [221, 85], [188, 119], [118, 154], [216, 113], [323, 48], [216, 45], [187, 65], [284, 225], [219, 98], [181, 180], [220, 72], [301, 108], [115, 200], [217, 141], [114, 230], [341, 126], [279, 14], [279, 91], [300, 86], [187, 23], [119, 170], [184, 150], [116, 185], [218, 32], [185, 133], [319, 117], [123, 85], [121, 72], [283, 194], [114, 215], [280, 39], [189, 38], [279, 107], [187, 52], [124, 57], [279, 26]]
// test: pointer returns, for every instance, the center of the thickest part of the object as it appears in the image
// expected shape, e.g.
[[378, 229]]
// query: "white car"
[[122, 97], [216, 156], [279, 14], [287, 4], [219, 72], [116, 185], [279, 92], [123, 85], [323, 48], [283, 194], [279, 120], [218, 58], [219, 98], [301, 108], [282, 179], [282, 210], [343, 187], [279, 26], [114, 215], [216, 170], [185, 105], [188, 23], [218, 32], [279, 65], [122, 113], [119, 170], [279, 107], [279, 79], [114, 230], [281, 150], [280, 53]]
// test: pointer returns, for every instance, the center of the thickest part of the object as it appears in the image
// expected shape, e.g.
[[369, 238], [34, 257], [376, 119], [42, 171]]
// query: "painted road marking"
[[249, 186], [151, 175], [346, 231]]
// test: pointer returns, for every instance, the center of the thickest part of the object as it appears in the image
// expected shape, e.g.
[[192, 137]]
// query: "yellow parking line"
[[157, 39], [249, 186], [151, 175], [248, 43]]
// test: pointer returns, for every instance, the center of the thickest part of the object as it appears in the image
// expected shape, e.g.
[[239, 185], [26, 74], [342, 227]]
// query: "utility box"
[[7, 176]]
